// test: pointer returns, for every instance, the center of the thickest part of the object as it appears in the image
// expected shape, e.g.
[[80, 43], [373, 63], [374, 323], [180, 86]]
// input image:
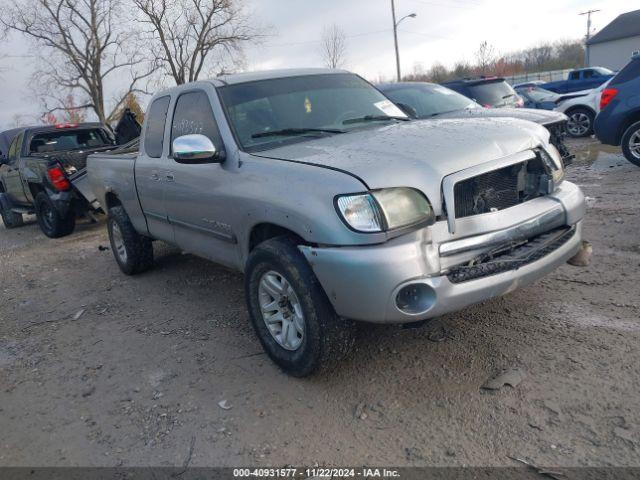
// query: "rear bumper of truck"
[[424, 274]]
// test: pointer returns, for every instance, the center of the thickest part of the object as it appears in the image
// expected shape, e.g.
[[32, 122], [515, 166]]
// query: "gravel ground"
[[104, 370]]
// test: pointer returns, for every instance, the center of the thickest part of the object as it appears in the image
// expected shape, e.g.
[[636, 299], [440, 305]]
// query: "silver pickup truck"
[[336, 206]]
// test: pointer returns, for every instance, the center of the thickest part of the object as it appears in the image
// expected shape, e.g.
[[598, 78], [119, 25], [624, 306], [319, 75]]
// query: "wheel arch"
[[634, 117], [111, 200], [264, 231], [573, 108]]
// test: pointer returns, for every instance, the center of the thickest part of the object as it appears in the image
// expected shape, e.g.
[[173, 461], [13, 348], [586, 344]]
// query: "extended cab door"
[[151, 166], [11, 173], [198, 196]]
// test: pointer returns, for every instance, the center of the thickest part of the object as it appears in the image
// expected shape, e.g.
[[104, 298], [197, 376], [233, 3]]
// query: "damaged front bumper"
[[430, 272]]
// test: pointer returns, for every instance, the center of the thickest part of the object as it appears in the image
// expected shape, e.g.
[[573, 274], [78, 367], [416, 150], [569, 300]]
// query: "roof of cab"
[[271, 74]]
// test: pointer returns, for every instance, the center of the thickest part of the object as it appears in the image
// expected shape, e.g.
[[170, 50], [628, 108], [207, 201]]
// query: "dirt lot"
[[100, 369]]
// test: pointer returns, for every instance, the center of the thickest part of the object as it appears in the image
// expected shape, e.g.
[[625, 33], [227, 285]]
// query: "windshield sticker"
[[307, 105], [388, 108]]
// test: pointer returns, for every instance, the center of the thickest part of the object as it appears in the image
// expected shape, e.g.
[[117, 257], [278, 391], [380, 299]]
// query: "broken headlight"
[[553, 161], [383, 210]]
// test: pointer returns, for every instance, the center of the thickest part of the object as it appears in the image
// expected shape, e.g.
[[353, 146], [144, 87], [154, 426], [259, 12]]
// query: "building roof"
[[624, 26]]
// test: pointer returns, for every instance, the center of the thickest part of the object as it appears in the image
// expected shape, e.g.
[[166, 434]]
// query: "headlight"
[[553, 160], [383, 210]]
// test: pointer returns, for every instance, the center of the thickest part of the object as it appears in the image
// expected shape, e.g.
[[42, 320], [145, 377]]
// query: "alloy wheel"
[[281, 310], [118, 242], [579, 124]]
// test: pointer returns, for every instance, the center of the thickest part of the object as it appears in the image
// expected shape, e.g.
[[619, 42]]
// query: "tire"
[[580, 122], [322, 337], [631, 144], [52, 224], [133, 252], [9, 218]]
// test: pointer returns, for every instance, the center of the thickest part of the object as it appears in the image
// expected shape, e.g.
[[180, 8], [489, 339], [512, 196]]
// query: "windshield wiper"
[[295, 131], [374, 118]]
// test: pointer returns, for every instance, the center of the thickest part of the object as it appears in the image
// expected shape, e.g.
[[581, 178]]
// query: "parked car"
[[422, 100], [530, 83], [336, 206], [537, 97], [490, 92], [618, 122], [44, 173], [580, 79], [581, 108]]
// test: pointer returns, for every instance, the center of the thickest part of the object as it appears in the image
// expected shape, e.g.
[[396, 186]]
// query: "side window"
[[574, 76], [157, 119], [14, 149], [589, 74], [629, 72], [193, 115]]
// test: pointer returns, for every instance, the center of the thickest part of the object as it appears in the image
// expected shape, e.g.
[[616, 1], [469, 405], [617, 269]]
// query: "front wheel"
[[52, 223], [10, 218], [631, 144], [580, 122], [290, 312]]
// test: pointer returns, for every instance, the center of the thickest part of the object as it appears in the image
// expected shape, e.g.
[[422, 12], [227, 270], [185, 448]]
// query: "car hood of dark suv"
[[541, 117]]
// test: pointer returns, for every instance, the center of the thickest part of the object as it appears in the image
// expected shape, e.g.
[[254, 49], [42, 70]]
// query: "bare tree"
[[334, 46], [485, 57], [192, 37], [81, 45]]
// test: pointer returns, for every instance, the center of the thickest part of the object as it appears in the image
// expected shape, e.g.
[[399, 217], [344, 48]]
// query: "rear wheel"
[[52, 224], [631, 144], [290, 311], [580, 122], [132, 251]]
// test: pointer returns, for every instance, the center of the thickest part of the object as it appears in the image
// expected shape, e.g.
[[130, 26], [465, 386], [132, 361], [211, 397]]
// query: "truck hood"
[[417, 154], [541, 117]]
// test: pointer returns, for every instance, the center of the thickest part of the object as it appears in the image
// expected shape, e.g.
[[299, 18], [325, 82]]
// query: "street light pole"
[[395, 35]]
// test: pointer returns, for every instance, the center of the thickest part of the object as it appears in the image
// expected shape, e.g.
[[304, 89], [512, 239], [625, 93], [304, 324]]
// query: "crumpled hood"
[[542, 117], [417, 154]]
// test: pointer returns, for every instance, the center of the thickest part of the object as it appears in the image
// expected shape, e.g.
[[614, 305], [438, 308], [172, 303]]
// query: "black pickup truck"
[[42, 171]]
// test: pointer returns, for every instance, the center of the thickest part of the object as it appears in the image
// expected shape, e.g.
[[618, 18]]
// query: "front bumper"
[[363, 282]]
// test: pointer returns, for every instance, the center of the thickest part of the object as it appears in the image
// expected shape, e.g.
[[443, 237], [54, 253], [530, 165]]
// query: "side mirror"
[[195, 149]]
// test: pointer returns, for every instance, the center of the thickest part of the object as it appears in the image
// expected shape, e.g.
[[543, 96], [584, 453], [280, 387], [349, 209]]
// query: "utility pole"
[[395, 38], [395, 35], [588, 37]]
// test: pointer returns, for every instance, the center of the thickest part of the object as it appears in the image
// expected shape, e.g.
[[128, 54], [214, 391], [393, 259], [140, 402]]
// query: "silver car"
[[336, 206]]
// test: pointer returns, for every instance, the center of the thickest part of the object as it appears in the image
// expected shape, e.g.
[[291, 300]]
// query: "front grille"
[[558, 133], [512, 257], [500, 189]]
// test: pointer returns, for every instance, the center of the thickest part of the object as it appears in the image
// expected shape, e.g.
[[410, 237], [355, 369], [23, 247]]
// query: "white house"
[[613, 46]]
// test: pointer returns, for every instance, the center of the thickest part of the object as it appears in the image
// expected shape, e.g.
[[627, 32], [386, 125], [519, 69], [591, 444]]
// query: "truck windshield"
[[267, 113], [492, 93], [429, 100], [65, 140]]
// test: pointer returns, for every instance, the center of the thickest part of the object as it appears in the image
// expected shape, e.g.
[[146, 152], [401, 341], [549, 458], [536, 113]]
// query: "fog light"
[[415, 298]]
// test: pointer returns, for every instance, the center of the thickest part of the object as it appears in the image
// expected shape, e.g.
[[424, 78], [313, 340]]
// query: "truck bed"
[[115, 171]]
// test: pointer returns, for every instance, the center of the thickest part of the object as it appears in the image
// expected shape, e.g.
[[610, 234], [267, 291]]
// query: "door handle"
[[155, 176], [170, 177]]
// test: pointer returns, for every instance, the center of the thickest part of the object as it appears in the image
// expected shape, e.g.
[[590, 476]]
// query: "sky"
[[444, 31]]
